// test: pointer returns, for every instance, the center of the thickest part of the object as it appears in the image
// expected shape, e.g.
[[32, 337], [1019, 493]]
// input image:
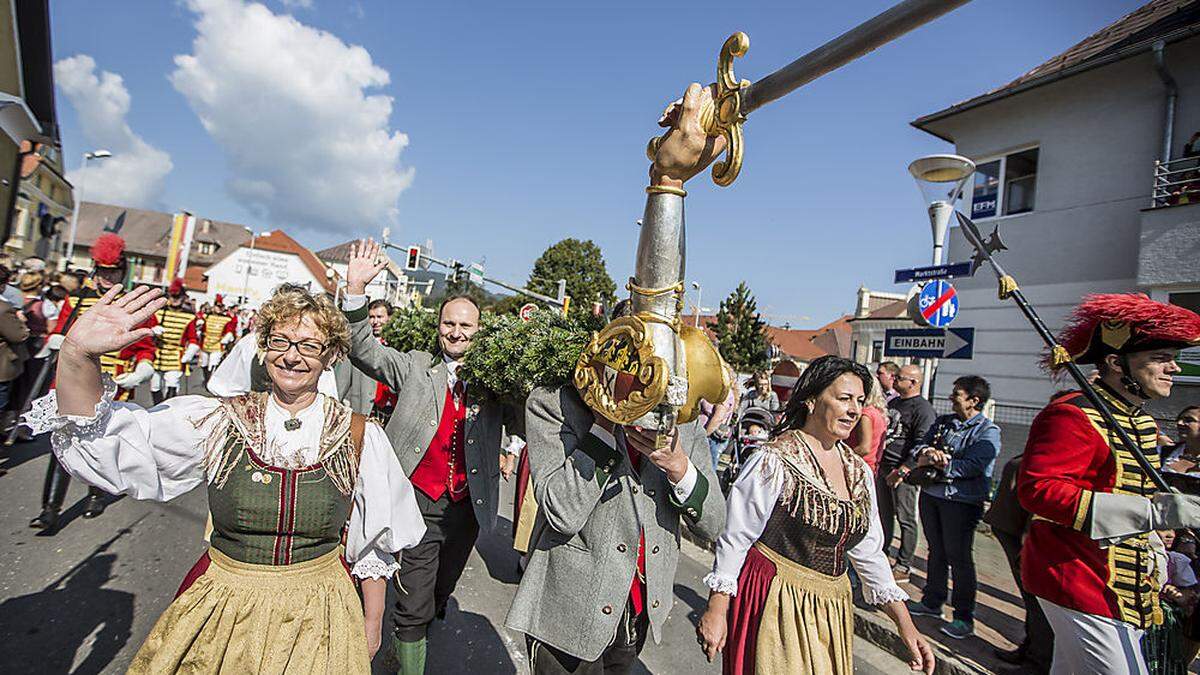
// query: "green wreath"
[[508, 357]]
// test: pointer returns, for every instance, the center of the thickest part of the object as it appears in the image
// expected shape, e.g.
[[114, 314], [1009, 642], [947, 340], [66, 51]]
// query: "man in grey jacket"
[[601, 568], [604, 550], [447, 437], [358, 390]]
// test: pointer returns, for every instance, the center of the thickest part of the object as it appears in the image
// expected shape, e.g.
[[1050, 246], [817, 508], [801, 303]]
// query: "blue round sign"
[[938, 303]]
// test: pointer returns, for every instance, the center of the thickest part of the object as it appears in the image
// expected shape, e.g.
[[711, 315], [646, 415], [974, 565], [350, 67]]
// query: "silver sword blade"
[[843, 49]]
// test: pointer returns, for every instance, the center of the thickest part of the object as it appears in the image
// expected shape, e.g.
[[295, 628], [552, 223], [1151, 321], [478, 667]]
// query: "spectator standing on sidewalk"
[[716, 420], [868, 437], [1184, 456], [958, 455], [897, 499], [1009, 522], [886, 373]]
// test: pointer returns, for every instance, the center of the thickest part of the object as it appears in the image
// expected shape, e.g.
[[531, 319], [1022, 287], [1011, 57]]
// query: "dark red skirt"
[[745, 613]]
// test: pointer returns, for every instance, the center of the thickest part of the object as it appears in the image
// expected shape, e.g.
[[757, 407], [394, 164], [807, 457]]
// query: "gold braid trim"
[[1008, 286]]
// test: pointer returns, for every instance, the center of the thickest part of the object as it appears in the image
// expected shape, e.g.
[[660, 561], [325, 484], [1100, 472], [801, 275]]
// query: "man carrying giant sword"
[[613, 495], [1089, 478]]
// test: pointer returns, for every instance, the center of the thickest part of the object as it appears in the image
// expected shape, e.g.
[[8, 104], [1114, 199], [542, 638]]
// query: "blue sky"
[[512, 126]]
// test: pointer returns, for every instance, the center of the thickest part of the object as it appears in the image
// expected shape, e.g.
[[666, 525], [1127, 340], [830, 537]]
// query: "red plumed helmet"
[[219, 299], [108, 250], [176, 288], [1122, 323]]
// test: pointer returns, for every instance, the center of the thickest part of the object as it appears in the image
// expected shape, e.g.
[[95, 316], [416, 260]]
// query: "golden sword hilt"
[[723, 116]]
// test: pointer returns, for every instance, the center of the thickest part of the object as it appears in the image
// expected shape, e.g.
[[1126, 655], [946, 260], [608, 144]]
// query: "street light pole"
[[96, 154], [941, 180], [699, 303], [249, 260]]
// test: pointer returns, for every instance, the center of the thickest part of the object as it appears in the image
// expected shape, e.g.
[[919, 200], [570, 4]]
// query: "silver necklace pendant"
[[291, 424]]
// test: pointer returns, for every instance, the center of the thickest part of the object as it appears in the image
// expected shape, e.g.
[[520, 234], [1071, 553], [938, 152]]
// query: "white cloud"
[[304, 4], [288, 105], [135, 173]]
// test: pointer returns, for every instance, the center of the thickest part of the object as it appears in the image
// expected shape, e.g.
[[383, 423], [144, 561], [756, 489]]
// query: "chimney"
[[863, 307]]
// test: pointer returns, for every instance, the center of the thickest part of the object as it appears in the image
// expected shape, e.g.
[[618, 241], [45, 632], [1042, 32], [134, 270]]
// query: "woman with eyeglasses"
[[285, 471], [802, 510]]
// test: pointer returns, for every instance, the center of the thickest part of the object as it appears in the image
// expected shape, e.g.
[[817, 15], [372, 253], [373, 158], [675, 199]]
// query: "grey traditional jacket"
[[355, 388], [592, 506], [420, 380]]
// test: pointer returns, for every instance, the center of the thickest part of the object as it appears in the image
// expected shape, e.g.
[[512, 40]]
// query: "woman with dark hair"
[[1184, 456], [802, 508]]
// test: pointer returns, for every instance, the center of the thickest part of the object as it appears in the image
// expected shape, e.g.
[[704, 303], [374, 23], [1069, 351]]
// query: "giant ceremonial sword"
[[734, 99]]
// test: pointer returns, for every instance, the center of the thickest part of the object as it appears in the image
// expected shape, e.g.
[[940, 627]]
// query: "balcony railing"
[[1176, 182]]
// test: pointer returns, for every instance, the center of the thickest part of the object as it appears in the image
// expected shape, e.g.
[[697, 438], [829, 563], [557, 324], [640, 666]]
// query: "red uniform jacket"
[[1070, 456], [112, 363]]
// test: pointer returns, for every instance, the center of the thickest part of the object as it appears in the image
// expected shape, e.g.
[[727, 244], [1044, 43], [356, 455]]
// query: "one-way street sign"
[[950, 271], [930, 343]]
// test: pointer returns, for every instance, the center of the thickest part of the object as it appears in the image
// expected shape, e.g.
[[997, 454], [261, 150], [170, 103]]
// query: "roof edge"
[[1049, 78]]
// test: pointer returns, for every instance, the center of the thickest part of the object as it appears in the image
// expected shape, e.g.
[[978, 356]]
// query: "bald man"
[[909, 417]]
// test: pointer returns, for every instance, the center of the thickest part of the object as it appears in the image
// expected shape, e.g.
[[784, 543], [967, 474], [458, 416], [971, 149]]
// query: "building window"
[[1005, 186], [876, 351], [206, 247], [1189, 359]]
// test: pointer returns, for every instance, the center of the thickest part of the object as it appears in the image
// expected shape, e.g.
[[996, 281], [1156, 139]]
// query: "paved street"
[[83, 601]]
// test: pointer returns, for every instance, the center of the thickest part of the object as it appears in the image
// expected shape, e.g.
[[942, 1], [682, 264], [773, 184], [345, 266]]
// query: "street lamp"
[[699, 295], [941, 179], [95, 154]]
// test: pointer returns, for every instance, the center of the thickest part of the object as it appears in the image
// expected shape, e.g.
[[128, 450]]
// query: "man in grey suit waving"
[[448, 441]]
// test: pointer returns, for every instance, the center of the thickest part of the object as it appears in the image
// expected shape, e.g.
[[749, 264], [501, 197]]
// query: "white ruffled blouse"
[[748, 508], [158, 454]]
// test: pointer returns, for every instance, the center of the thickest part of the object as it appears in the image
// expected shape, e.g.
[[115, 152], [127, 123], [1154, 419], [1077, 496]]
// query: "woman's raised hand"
[[112, 323], [366, 262]]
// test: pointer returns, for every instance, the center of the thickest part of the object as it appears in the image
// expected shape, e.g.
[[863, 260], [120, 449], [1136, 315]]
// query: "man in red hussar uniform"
[[1091, 556], [219, 331], [127, 368], [178, 343]]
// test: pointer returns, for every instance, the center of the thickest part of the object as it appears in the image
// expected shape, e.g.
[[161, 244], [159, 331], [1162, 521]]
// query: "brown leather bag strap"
[[358, 427]]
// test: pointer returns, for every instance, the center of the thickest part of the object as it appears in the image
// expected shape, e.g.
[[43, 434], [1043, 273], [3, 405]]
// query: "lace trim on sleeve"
[[44, 416], [882, 596], [720, 584], [371, 567]]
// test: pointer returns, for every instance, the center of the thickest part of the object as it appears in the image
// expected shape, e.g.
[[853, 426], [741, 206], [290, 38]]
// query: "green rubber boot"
[[410, 656]]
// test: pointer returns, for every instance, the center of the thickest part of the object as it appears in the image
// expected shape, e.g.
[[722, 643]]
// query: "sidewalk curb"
[[876, 628]]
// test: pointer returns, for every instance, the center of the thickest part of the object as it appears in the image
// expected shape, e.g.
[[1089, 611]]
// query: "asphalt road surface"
[[83, 600]]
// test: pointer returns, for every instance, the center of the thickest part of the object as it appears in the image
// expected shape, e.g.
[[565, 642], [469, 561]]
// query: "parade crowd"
[[335, 465]]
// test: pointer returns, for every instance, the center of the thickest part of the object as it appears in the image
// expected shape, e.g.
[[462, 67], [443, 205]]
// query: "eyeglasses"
[[309, 348]]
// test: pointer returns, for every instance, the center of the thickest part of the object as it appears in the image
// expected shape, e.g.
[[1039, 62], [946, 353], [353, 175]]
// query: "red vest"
[[444, 465], [637, 590]]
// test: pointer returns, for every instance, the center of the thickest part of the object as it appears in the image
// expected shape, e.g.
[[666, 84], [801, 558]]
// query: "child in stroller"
[[752, 429]]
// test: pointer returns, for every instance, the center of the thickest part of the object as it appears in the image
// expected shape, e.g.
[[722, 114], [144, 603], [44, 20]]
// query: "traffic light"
[[414, 258]]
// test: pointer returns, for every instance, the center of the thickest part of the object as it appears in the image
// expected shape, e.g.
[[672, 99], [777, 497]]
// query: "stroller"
[[752, 429]]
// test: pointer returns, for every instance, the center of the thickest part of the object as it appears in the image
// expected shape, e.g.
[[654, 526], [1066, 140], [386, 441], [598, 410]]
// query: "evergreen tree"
[[581, 264], [741, 333]]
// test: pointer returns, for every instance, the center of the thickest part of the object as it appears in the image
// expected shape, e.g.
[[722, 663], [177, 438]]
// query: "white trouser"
[[1086, 644], [170, 379], [211, 359]]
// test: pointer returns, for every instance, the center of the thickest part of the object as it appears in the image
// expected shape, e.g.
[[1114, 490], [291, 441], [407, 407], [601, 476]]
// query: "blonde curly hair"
[[291, 303]]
